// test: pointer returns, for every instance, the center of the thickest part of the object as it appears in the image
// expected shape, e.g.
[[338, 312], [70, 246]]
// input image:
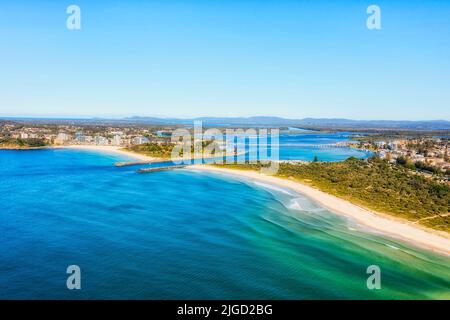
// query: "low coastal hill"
[[30, 143], [306, 123]]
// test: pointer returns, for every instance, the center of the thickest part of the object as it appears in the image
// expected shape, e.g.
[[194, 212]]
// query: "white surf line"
[[391, 226]]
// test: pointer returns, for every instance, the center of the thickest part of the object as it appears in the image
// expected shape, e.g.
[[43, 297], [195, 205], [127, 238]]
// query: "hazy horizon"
[[191, 59], [180, 117]]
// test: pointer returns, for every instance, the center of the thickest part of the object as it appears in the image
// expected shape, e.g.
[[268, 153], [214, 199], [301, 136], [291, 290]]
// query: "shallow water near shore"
[[186, 234]]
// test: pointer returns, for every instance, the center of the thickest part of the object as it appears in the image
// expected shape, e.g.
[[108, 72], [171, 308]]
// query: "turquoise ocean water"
[[186, 235]]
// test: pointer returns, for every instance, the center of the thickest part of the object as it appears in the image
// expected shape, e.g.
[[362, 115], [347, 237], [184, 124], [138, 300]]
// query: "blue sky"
[[226, 58]]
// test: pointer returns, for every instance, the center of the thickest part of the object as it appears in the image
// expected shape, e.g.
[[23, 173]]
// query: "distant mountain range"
[[320, 123], [306, 122]]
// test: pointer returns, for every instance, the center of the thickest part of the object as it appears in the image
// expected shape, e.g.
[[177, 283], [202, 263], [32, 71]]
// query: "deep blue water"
[[183, 235]]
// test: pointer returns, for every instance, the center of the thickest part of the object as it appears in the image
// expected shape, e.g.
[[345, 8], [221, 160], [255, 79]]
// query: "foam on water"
[[295, 204], [273, 188]]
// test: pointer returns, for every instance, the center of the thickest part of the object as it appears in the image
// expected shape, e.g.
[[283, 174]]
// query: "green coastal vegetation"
[[164, 150], [421, 166], [10, 143], [377, 185]]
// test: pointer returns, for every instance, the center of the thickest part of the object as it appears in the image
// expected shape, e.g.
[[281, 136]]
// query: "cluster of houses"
[[437, 156], [113, 139], [65, 135], [33, 133]]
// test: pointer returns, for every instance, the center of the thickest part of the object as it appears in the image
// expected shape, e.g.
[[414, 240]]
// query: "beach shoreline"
[[120, 150], [111, 149], [397, 228]]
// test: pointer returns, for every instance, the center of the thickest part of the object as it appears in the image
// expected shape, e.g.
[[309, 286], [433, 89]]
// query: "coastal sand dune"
[[397, 228]]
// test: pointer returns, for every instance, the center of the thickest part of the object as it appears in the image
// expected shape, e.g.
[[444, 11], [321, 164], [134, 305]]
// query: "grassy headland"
[[30, 143], [164, 150], [153, 149]]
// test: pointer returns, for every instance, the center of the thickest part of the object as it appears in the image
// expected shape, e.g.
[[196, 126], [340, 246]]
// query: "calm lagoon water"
[[301, 146], [298, 145], [186, 235]]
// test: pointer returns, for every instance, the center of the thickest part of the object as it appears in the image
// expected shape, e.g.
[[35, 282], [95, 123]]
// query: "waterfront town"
[[422, 152], [426, 154], [69, 134]]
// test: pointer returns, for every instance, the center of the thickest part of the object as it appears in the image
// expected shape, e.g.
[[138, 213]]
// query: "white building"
[[116, 140], [62, 137], [79, 136], [140, 140], [99, 140]]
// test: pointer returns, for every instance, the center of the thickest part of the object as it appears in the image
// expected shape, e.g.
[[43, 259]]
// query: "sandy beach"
[[112, 149], [391, 226], [121, 150]]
